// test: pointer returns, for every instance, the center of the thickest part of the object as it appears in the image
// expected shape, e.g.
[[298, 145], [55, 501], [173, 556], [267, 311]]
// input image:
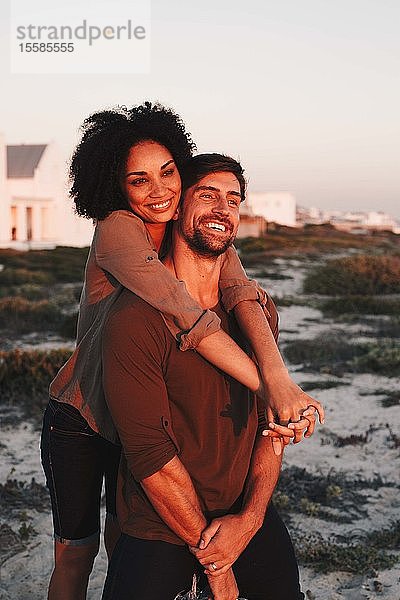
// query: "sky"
[[306, 93]]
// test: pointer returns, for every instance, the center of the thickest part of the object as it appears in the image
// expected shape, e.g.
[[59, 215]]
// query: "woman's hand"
[[286, 401], [281, 435]]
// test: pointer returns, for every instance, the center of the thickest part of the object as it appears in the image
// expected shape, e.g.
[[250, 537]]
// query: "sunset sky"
[[304, 92]]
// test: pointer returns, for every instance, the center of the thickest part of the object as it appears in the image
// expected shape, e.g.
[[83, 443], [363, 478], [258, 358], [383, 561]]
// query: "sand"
[[349, 409]]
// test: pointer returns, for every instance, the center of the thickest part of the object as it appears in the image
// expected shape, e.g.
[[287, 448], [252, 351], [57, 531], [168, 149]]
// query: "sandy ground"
[[349, 409]]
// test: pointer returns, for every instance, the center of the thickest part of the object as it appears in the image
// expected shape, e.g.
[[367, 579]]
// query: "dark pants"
[[154, 570], [75, 460]]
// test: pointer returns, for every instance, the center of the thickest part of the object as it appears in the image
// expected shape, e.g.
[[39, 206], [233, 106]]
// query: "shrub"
[[22, 316], [355, 275], [377, 327], [29, 291], [324, 350], [10, 276], [325, 384], [68, 326], [382, 358], [63, 264], [331, 354], [327, 555], [25, 377], [367, 305]]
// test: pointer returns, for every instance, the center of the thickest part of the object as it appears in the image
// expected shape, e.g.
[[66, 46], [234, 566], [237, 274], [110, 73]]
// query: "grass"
[[336, 497], [332, 354], [390, 397], [378, 327], [22, 495], [326, 384], [321, 351], [364, 305], [333, 497], [25, 378], [17, 499], [11, 276], [23, 316], [358, 275], [309, 241], [28, 291], [325, 556], [275, 276], [354, 439], [62, 265]]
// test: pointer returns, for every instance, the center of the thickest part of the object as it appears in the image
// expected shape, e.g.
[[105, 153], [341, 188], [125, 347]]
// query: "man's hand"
[[222, 542], [224, 587], [286, 401]]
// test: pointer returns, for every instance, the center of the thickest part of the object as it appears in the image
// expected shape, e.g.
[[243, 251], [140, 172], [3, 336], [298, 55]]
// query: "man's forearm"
[[261, 481], [174, 498]]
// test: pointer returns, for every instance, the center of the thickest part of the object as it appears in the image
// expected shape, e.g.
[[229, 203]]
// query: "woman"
[[133, 200]]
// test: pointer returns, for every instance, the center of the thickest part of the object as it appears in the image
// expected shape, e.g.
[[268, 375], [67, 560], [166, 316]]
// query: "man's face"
[[209, 214]]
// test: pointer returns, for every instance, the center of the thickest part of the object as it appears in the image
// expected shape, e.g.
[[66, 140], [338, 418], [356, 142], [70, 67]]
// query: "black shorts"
[[75, 459], [155, 570]]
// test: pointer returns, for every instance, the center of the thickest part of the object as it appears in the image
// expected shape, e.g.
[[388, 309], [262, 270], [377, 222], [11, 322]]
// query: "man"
[[192, 449]]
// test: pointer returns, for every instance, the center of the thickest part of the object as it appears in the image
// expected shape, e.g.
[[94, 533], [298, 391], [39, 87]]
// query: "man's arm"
[[174, 498], [224, 540]]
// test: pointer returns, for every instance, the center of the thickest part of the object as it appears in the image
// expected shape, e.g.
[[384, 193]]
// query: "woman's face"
[[151, 182]]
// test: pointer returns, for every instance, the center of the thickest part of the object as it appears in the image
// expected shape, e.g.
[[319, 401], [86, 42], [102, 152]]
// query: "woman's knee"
[[77, 560]]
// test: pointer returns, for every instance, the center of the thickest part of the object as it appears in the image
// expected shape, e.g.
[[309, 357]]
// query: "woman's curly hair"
[[100, 156]]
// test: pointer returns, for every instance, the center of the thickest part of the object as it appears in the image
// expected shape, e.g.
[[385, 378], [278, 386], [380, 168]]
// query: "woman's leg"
[[73, 464], [112, 531]]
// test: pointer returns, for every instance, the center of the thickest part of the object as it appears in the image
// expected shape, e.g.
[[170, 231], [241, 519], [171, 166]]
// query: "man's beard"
[[207, 243]]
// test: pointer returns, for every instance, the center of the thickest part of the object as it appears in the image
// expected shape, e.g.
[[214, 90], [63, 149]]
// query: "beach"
[[356, 451]]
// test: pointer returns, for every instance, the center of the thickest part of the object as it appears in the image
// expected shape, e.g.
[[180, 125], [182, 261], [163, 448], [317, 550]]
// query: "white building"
[[275, 207], [35, 211]]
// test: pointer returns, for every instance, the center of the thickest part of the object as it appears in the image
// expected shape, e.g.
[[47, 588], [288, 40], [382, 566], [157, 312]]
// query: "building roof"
[[22, 160]]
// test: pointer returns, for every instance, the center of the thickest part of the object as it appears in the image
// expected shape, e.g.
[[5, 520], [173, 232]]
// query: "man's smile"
[[217, 226]]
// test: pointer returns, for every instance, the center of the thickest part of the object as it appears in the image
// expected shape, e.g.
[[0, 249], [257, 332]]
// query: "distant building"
[[350, 221], [251, 226], [35, 211], [275, 207]]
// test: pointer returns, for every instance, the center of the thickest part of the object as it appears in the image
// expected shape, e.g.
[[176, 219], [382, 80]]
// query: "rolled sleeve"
[[208, 323], [236, 287], [234, 284]]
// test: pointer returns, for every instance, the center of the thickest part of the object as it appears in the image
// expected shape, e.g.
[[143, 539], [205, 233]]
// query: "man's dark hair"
[[201, 165], [107, 136]]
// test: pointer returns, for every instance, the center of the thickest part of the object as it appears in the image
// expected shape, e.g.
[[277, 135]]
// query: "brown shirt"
[[122, 254], [165, 403]]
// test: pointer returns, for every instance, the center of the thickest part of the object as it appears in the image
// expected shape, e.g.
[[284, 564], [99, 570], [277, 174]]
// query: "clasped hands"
[[290, 412], [221, 543]]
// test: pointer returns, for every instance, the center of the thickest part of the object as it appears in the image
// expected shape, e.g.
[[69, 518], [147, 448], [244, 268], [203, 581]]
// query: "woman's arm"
[[286, 400], [123, 249]]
